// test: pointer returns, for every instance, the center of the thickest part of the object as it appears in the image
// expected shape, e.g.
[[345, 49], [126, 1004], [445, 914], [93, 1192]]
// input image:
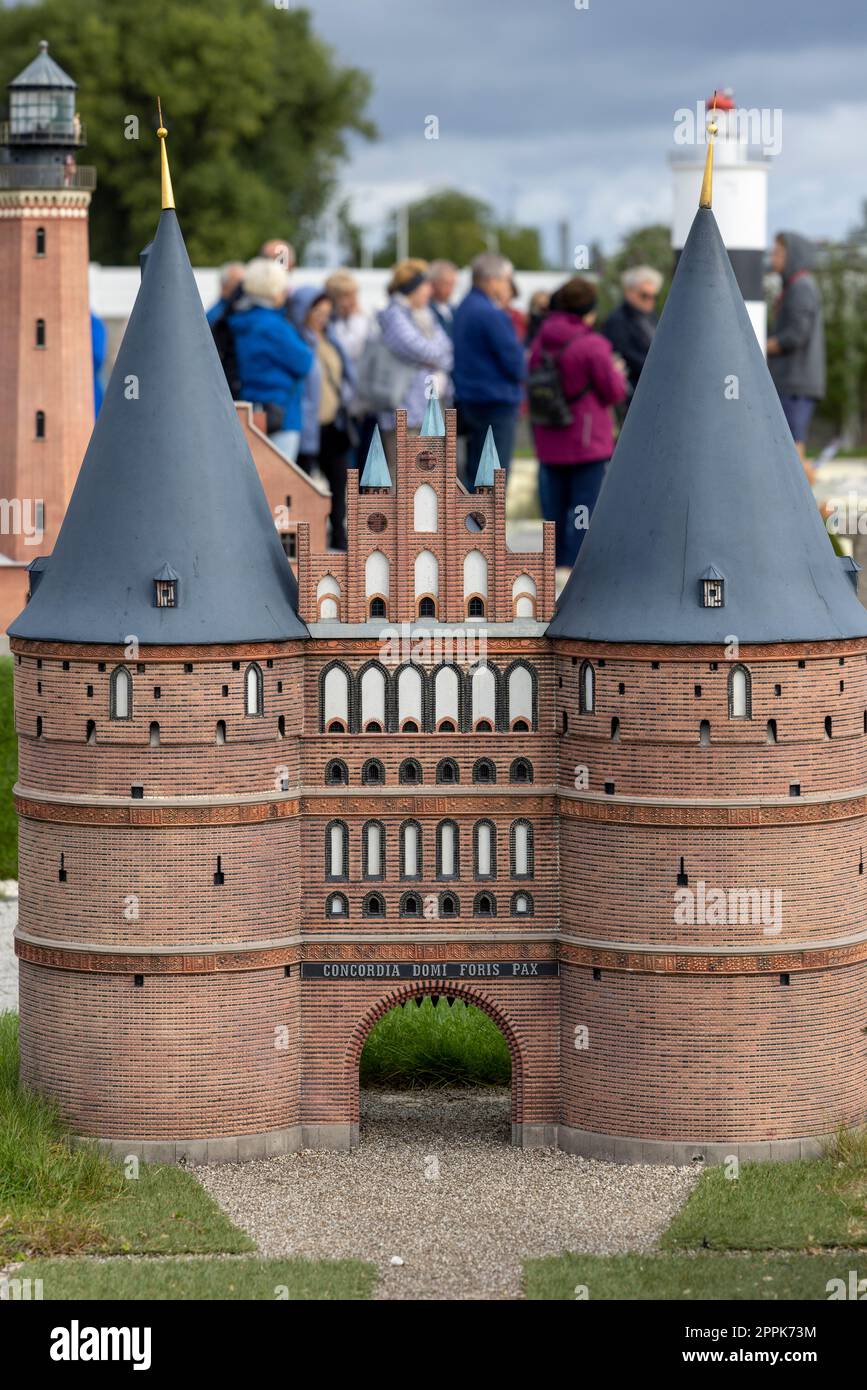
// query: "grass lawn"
[[8, 774], [435, 1045], [244, 1279], [697, 1276], [55, 1199], [728, 1239], [777, 1206]]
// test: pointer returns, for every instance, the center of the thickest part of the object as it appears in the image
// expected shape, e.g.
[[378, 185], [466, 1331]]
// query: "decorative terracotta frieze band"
[[678, 962], [610, 811]]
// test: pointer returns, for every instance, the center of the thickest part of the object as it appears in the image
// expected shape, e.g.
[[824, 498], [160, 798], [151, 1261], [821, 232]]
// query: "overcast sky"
[[551, 112]]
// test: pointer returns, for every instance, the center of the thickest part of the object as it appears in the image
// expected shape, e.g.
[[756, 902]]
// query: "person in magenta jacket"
[[572, 459]]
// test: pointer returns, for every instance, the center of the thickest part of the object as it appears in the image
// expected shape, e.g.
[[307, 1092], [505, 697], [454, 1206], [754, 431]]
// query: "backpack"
[[548, 403], [383, 378], [224, 340]]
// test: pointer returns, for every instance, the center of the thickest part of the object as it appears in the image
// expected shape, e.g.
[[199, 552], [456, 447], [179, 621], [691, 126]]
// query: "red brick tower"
[[46, 370], [158, 698], [712, 656]]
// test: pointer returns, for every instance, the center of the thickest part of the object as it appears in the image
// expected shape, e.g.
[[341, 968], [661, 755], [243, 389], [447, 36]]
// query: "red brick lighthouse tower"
[[713, 662], [157, 695], [46, 372]]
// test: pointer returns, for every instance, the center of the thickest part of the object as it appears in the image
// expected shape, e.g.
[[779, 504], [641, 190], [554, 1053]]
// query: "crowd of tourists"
[[325, 373]]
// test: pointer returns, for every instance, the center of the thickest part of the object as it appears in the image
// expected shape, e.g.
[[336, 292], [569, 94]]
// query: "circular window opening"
[[376, 522], [425, 461], [476, 521]]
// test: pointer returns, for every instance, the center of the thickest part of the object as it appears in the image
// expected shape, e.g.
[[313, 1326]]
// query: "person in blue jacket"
[[490, 364], [326, 429], [272, 358], [98, 345]]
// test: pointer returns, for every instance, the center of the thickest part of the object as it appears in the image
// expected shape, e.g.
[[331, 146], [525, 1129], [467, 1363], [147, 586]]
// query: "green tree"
[[257, 109], [456, 227]]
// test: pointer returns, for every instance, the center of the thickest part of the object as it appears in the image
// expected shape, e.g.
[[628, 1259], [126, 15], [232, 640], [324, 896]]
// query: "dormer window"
[[166, 588], [712, 588]]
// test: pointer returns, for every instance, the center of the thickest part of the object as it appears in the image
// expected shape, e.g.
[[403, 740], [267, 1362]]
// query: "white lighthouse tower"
[[740, 197]]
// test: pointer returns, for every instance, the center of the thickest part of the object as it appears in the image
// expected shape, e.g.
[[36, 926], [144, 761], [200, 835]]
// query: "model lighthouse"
[[740, 198]]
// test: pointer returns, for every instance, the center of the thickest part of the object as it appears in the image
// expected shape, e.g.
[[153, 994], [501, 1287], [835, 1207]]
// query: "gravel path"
[[436, 1182]]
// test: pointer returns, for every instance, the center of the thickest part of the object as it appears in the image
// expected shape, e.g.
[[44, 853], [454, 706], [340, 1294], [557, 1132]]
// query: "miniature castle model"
[[255, 817]]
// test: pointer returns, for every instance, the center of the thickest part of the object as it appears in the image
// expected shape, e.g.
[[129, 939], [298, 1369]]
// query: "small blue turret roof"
[[489, 461], [433, 423], [375, 473]]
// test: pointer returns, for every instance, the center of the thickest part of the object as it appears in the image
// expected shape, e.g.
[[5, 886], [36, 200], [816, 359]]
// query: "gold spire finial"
[[707, 182], [168, 195]]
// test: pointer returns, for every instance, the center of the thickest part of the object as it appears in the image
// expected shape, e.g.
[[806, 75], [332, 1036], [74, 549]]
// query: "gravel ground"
[[436, 1182], [8, 961]]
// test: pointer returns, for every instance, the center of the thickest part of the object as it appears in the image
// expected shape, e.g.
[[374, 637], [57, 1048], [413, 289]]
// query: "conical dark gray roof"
[[701, 479], [43, 72], [167, 480]]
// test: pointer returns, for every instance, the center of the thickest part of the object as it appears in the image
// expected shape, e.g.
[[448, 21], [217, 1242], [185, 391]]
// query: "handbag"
[[383, 379], [548, 403]]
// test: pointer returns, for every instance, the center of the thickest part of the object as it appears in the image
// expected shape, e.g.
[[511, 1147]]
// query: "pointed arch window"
[[448, 850], [120, 693], [373, 849], [484, 698], [336, 850], [328, 597], [410, 849], [373, 905], [409, 699], [446, 697], [485, 849], [254, 699], [522, 849], [587, 688], [740, 693], [373, 687], [424, 508], [485, 905], [522, 702], [335, 700]]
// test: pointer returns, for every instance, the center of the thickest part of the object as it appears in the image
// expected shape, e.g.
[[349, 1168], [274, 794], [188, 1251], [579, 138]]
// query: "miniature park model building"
[[256, 816]]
